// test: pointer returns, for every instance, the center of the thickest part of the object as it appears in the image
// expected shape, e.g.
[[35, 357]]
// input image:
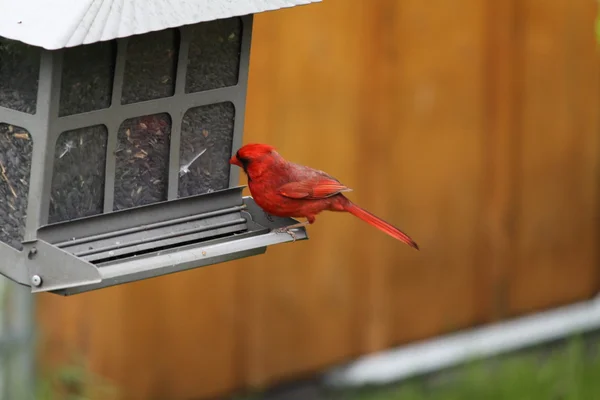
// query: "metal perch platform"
[[144, 242]]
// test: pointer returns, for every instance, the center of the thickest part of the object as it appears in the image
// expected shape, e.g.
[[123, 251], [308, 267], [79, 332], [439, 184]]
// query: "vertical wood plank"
[[501, 160], [437, 165], [376, 123], [558, 205]]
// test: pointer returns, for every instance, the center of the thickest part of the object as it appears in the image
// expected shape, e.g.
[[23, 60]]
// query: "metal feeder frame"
[[123, 246]]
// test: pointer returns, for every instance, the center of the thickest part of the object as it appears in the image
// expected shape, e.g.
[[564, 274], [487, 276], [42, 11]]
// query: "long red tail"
[[380, 224]]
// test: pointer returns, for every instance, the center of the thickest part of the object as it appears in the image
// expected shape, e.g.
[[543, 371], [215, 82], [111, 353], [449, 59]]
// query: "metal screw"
[[36, 280], [32, 253]]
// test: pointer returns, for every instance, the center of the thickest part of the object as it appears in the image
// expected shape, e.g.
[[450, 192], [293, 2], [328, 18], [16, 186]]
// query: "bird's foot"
[[287, 230]]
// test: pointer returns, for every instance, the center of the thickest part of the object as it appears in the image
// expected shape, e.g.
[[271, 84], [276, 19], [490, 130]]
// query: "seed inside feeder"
[[19, 75], [142, 161], [214, 55], [16, 149], [87, 78], [150, 67], [207, 127], [77, 189]]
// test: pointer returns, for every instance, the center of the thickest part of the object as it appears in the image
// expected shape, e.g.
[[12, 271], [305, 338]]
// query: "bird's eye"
[[242, 160]]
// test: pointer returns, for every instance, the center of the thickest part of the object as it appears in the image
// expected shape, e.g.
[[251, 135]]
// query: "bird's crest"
[[254, 150]]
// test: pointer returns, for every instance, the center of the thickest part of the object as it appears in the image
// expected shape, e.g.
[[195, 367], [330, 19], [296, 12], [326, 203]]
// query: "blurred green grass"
[[570, 372]]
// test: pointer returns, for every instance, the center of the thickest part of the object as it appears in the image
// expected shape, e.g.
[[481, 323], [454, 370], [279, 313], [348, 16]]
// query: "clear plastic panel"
[[19, 75], [16, 148], [142, 161], [78, 177], [206, 143], [214, 55], [87, 78], [151, 66]]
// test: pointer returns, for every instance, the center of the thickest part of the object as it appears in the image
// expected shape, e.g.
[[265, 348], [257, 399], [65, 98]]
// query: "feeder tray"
[[115, 141], [125, 246]]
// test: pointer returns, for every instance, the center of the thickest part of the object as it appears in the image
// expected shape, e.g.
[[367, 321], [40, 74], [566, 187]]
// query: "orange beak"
[[234, 161]]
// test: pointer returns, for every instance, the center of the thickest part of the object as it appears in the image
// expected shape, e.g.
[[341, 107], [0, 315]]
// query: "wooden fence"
[[472, 124]]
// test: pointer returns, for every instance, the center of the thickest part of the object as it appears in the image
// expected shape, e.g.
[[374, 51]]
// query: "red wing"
[[313, 189]]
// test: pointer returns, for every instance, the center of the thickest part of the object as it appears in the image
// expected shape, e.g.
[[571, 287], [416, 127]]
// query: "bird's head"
[[251, 153]]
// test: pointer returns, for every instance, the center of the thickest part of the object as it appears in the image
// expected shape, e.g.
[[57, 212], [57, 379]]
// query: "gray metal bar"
[[112, 125], [174, 154], [177, 116], [10, 265], [119, 76], [139, 272], [57, 268], [110, 166], [169, 105], [182, 61], [139, 216], [239, 101], [162, 243], [197, 255], [147, 227], [22, 120], [43, 146], [170, 235]]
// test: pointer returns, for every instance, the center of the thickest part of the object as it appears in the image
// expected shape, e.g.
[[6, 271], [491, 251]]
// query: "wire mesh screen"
[[16, 342]]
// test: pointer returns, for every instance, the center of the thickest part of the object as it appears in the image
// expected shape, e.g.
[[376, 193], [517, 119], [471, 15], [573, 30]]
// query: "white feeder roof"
[[55, 24]]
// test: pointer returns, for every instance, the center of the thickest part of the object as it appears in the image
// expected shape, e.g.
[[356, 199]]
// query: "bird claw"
[[286, 230]]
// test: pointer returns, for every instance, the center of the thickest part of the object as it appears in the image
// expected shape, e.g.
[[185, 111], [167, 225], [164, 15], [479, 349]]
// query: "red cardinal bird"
[[285, 189]]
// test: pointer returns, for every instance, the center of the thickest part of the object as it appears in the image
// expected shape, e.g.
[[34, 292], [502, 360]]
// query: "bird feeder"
[[117, 122]]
